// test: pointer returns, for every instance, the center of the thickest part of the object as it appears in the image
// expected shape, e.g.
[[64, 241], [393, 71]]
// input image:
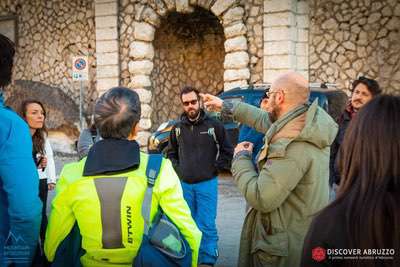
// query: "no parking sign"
[[80, 70]]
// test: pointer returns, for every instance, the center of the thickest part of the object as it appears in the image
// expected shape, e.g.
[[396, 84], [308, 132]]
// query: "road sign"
[[80, 72], [80, 68]]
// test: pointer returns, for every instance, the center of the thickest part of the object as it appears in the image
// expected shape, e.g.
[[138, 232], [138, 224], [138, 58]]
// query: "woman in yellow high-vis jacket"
[[105, 199]]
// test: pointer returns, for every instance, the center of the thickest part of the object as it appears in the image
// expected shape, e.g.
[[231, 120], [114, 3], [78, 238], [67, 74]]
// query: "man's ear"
[[280, 98], [134, 131], [264, 102]]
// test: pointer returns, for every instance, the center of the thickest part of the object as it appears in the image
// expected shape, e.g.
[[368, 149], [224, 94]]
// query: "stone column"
[[303, 25], [285, 37], [106, 18], [236, 63], [142, 55]]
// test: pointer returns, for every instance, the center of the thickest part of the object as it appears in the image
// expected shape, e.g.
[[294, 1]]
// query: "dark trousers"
[[40, 258], [43, 190]]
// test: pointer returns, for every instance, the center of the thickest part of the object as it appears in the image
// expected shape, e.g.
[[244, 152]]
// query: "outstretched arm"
[[242, 112]]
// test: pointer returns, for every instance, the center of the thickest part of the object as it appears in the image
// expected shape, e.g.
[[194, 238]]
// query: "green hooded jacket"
[[290, 186]]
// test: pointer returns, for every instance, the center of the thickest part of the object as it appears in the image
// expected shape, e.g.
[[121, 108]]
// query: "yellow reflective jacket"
[[109, 206]]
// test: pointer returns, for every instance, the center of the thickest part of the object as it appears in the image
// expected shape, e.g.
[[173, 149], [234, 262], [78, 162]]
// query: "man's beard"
[[193, 113], [357, 102], [274, 114]]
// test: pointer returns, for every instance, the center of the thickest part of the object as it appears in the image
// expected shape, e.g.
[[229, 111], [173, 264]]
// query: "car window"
[[256, 99]]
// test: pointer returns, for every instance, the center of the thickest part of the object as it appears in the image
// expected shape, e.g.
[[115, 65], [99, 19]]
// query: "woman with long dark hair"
[[34, 113], [362, 226]]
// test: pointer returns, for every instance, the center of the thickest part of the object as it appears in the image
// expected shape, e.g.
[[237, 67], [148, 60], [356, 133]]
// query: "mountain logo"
[[14, 239]]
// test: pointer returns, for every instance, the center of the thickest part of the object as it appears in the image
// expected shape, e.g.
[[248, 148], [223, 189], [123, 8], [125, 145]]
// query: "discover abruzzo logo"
[[319, 254]]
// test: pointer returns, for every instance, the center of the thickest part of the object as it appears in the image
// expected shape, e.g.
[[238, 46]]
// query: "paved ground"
[[231, 212]]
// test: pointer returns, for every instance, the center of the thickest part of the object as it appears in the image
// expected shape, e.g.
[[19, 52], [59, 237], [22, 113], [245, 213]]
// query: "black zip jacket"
[[343, 122], [194, 151]]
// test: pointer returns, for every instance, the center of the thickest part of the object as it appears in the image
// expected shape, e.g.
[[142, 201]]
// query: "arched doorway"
[[189, 50]]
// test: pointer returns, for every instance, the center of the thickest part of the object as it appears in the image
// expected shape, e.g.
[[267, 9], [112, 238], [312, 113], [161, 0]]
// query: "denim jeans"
[[202, 200]]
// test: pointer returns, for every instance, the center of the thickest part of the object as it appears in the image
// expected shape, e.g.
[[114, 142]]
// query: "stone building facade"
[[352, 38], [157, 46], [47, 34]]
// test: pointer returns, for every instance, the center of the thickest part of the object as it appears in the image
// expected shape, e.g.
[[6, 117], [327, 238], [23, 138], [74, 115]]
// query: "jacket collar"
[[185, 119], [348, 113], [277, 126], [276, 147], [112, 156]]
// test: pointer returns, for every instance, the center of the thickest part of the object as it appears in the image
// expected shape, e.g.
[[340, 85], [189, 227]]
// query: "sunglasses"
[[192, 102]]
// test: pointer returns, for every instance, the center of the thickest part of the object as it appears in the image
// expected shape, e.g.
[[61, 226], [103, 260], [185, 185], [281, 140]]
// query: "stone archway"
[[148, 18], [189, 50]]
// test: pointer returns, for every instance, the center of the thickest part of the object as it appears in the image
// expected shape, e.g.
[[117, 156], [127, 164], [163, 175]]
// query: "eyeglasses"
[[269, 93], [192, 102], [264, 96]]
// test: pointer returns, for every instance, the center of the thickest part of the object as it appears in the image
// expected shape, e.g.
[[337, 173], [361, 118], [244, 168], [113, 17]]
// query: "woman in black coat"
[[362, 226]]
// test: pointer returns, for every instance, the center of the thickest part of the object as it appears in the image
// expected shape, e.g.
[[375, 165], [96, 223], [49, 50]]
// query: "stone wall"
[[138, 23], [254, 10], [61, 110], [353, 38], [286, 30], [235, 16], [189, 50], [126, 27], [107, 44], [49, 34]]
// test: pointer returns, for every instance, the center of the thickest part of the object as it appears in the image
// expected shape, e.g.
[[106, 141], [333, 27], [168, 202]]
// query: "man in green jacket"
[[291, 183]]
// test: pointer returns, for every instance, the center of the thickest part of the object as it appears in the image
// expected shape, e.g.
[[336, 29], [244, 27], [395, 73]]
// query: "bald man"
[[291, 183]]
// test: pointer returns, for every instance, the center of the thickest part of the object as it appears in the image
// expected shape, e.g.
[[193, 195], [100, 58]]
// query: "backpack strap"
[[177, 133], [211, 132], [152, 172]]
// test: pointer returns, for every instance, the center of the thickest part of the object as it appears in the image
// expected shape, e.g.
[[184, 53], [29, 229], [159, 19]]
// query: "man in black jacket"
[[199, 147], [363, 90]]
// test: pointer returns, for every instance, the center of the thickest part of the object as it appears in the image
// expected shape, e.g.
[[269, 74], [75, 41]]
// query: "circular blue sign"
[[80, 64]]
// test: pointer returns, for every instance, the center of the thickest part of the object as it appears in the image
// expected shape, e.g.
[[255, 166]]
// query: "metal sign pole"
[[80, 73], [81, 106]]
